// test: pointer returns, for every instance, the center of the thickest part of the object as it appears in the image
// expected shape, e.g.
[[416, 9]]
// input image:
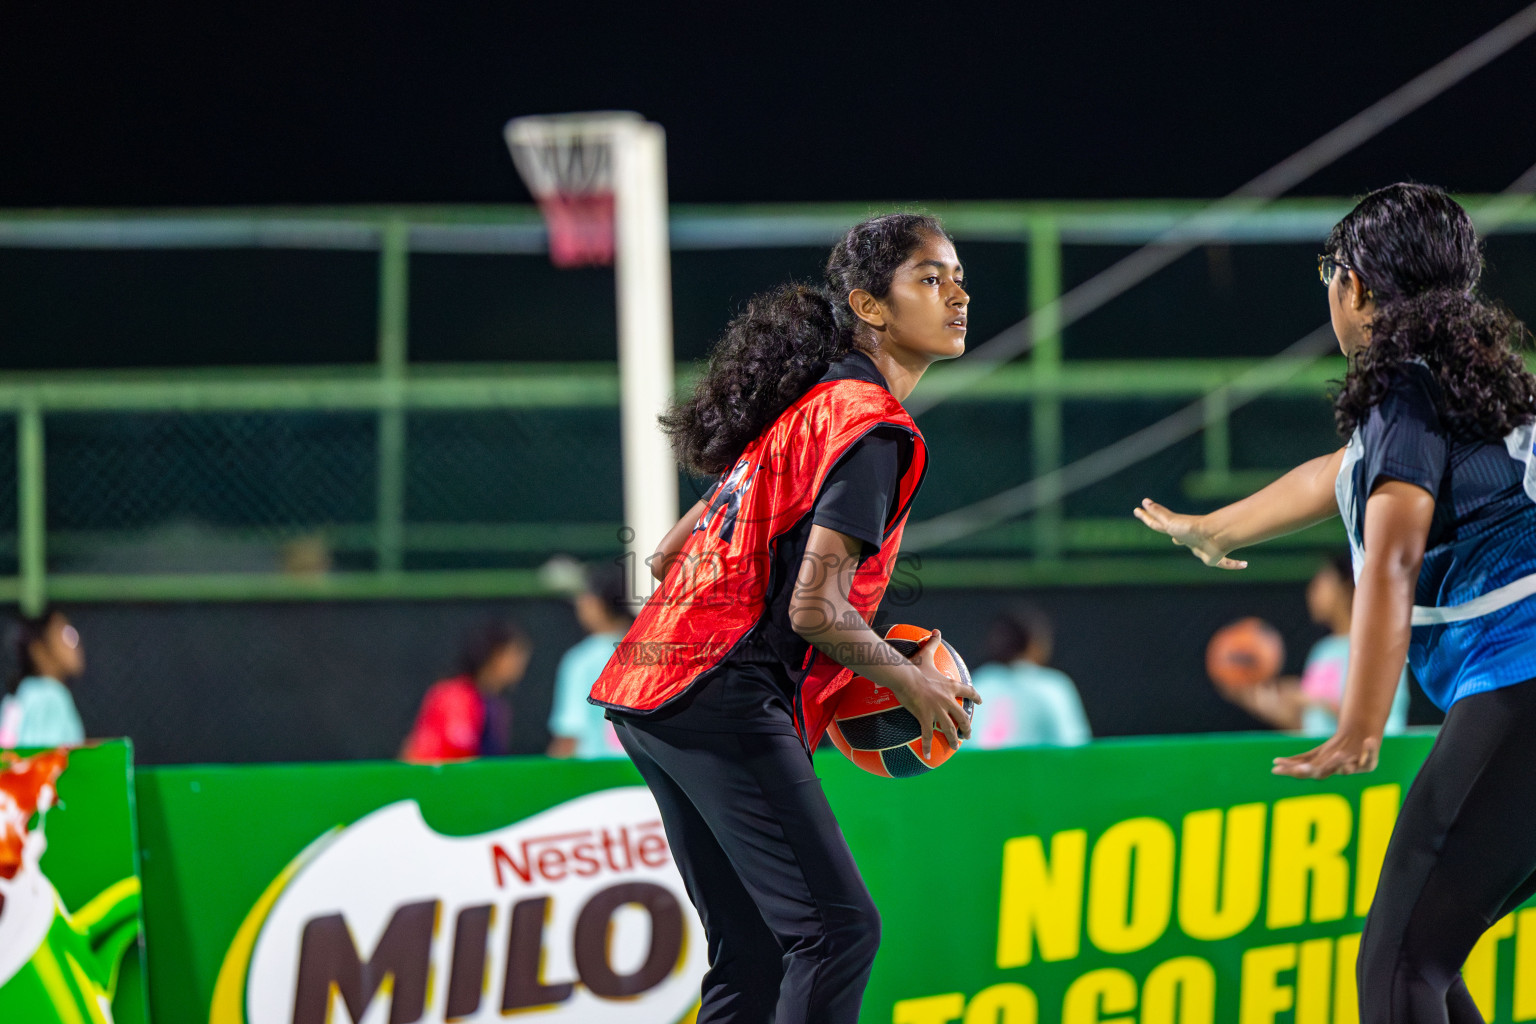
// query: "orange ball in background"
[[1246, 653]]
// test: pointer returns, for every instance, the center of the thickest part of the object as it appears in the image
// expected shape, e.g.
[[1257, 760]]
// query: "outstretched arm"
[[1301, 498]]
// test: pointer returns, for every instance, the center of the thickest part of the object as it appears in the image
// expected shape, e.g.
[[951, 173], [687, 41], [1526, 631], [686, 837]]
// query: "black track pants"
[[1463, 854], [791, 927]]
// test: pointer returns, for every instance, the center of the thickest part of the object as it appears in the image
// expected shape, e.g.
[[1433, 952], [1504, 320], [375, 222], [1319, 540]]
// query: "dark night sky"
[[210, 103]]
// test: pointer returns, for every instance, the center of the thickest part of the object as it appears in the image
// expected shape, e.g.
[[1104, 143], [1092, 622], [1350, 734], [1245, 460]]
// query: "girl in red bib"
[[728, 677]]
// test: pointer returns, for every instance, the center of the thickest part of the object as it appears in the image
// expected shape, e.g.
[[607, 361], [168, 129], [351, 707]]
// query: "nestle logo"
[[583, 854]]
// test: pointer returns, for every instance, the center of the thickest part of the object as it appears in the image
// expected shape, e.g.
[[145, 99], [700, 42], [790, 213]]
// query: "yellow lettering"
[[1314, 981], [1041, 901], [1525, 965], [1180, 991], [1108, 990], [1003, 1004], [1220, 882], [929, 1009], [1310, 835], [1378, 813], [1346, 992], [1480, 972], [1262, 996], [1130, 885]]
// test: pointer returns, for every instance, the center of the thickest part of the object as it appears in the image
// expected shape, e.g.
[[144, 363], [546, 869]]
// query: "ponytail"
[[768, 357]]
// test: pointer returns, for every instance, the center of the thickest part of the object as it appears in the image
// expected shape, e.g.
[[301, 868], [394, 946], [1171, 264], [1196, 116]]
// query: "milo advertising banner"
[[69, 888], [1130, 882], [391, 893]]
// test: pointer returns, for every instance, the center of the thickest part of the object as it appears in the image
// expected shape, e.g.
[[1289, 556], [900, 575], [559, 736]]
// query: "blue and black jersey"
[[1474, 610]]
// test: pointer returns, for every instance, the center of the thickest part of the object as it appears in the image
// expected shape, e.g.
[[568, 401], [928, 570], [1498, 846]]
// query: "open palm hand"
[[1187, 532]]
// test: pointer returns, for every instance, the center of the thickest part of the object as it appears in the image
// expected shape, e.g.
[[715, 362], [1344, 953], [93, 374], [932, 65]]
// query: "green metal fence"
[[403, 479]]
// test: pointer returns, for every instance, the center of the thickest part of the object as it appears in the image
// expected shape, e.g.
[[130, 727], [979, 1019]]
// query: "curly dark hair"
[[776, 349], [1416, 250]]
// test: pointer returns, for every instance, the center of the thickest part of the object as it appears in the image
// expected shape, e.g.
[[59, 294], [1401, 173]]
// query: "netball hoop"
[[600, 180], [566, 160]]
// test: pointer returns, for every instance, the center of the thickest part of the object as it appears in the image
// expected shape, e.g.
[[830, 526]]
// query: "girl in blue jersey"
[[1437, 487]]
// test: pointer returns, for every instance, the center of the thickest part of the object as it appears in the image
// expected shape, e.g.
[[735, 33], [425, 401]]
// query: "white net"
[[566, 160]]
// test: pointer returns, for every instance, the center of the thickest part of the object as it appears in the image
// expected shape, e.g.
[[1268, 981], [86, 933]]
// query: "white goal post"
[[568, 159]]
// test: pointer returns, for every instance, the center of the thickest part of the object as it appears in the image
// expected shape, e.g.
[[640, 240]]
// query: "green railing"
[[1048, 549]]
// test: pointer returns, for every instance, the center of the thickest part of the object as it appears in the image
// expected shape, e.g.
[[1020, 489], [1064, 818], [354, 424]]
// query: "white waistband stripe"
[[1492, 601]]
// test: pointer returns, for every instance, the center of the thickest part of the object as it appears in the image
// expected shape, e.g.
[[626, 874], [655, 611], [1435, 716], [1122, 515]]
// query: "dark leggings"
[[792, 930], [1463, 854]]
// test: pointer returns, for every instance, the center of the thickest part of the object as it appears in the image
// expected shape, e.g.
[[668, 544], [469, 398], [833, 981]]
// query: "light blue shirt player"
[[1474, 615], [41, 713], [1026, 705], [571, 715]]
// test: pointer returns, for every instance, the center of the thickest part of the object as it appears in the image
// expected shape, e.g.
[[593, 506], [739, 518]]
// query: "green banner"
[[1139, 882], [70, 946], [1128, 882], [326, 893]]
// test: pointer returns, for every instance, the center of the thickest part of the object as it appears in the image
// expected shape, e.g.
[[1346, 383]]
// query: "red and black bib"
[[715, 594]]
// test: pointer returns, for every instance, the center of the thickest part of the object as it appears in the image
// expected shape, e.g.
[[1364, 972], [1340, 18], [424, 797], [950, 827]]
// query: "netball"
[[1246, 653], [876, 733]]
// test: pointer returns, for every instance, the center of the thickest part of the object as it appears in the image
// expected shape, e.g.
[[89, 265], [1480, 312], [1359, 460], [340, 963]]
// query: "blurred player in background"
[[1027, 704], [577, 727], [1310, 704], [1437, 487], [468, 715], [722, 687], [39, 710]]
